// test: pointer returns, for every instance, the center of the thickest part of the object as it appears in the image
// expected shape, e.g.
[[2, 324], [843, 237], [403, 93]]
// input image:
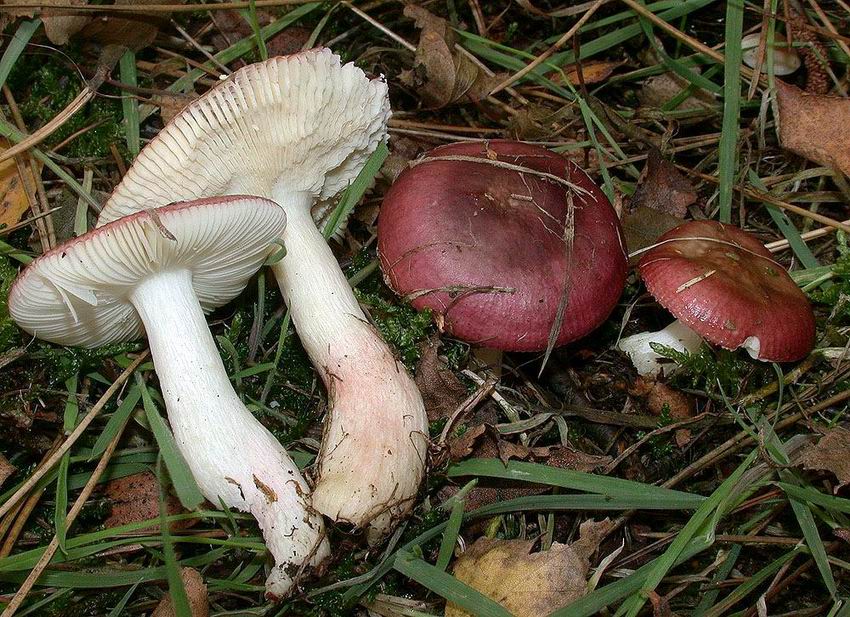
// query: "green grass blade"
[[447, 586], [591, 604], [250, 15], [354, 193], [117, 420], [242, 47], [814, 496], [15, 47], [788, 229], [575, 480], [118, 609], [709, 598], [176, 589], [663, 564], [129, 103], [447, 546], [731, 108], [184, 484], [752, 583], [60, 510]]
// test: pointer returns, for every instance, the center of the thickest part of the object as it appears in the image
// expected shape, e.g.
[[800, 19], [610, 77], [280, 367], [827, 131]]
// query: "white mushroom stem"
[[373, 453], [233, 458], [638, 347]]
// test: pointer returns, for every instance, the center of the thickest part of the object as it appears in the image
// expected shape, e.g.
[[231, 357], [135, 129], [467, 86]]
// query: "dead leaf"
[[830, 454], [642, 227], [6, 469], [135, 498], [815, 126], [461, 447], [441, 74], [593, 72], [14, 202], [441, 390], [196, 591], [171, 104], [660, 89], [529, 584], [662, 187]]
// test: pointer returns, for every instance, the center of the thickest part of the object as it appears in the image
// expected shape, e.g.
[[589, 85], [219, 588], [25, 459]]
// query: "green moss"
[[49, 86], [8, 330], [709, 367]]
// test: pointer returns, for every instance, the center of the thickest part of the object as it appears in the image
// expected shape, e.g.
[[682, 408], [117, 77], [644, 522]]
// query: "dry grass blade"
[[73, 437]]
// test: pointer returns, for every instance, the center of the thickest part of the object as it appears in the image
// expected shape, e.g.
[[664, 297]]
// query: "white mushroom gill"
[[232, 456]]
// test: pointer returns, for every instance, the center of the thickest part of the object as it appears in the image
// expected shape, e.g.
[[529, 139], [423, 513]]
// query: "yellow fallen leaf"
[[529, 584], [14, 198], [815, 126]]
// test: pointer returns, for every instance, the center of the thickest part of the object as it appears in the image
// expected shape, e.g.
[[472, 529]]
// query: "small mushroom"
[[156, 273], [723, 286], [491, 235], [298, 129], [785, 59]]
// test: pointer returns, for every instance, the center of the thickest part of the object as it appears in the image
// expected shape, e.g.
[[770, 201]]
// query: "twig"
[[39, 473], [546, 54], [781, 245]]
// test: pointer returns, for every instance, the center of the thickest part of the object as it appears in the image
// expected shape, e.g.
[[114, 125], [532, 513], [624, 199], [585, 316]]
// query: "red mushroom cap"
[[723, 284], [483, 245]]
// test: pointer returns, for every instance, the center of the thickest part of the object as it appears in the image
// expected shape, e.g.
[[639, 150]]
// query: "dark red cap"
[[723, 284], [482, 244]]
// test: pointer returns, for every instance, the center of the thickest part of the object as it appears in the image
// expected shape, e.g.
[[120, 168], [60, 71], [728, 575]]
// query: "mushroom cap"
[[78, 293], [483, 245], [723, 284], [303, 122], [785, 59]]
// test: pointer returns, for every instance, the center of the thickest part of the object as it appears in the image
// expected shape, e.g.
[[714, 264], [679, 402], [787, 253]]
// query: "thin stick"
[[546, 54], [73, 437], [43, 562], [148, 8], [781, 245]]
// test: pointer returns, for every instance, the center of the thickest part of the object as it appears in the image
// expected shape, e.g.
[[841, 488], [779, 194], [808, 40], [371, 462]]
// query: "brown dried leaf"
[[171, 104], [657, 91], [441, 390], [461, 447], [662, 187], [815, 126], [6, 469], [830, 454], [135, 498], [593, 72], [529, 584], [643, 227], [14, 202], [443, 75], [196, 591]]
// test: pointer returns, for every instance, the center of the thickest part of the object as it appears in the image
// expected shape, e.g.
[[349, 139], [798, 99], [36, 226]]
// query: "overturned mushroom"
[[723, 286], [155, 273], [298, 129]]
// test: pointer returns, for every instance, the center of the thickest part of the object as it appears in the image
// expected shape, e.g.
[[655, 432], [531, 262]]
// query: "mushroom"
[[785, 59], [156, 273], [723, 286], [499, 237], [298, 129]]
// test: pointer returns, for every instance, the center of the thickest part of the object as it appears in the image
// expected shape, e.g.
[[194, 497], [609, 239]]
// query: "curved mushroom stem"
[[373, 453], [677, 336], [233, 458]]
